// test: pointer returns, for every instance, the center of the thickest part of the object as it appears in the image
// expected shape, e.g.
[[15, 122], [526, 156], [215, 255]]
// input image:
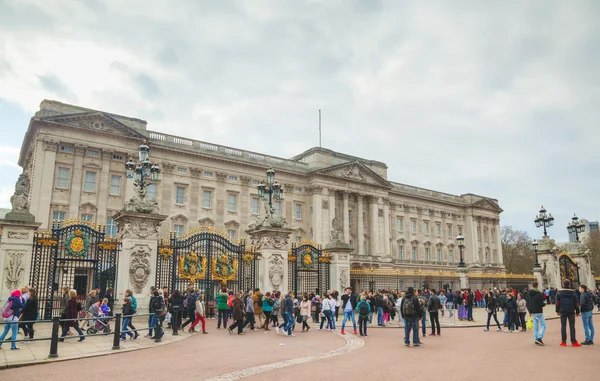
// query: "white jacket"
[[200, 308]]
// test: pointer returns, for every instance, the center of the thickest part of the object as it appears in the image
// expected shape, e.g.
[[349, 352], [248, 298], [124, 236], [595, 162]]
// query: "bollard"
[[117, 336], [174, 320], [54, 338], [157, 329]]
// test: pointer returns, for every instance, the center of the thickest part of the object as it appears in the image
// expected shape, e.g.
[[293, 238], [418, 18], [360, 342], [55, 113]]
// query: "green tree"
[[592, 243], [517, 252]]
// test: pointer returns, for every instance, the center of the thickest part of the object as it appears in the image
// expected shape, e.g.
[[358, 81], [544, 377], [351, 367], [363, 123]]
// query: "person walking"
[[535, 306], [492, 311], [238, 315], [326, 313], [304, 312], [257, 299], [363, 309], [289, 314], [222, 308], [155, 308], [511, 310], [522, 311], [200, 314], [190, 307], [10, 313], [433, 306], [127, 314], [267, 309], [586, 302], [411, 313], [470, 302], [29, 313], [249, 310], [567, 307], [349, 305], [73, 308]]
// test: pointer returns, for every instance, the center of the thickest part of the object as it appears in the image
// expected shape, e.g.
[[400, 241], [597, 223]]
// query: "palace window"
[[233, 178], [66, 149], [179, 195], [63, 178], [87, 217], [438, 229], [151, 192], [90, 182], [277, 207], [413, 226], [439, 255], [232, 203], [231, 234], [115, 185], [400, 225], [451, 256], [255, 206], [207, 199], [414, 253], [59, 216], [111, 227], [93, 153], [178, 229], [449, 231], [401, 253], [208, 174], [426, 227], [181, 170], [427, 254], [298, 211]]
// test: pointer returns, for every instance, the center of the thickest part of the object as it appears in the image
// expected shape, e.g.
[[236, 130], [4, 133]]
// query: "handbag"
[[529, 323]]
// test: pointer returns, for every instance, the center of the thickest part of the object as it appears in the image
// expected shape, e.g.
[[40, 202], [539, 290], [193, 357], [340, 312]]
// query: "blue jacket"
[[17, 305], [266, 307], [361, 302], [289, 304], [566, 302]]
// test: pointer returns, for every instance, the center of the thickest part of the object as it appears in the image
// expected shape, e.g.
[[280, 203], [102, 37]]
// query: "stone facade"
[[75, 159]]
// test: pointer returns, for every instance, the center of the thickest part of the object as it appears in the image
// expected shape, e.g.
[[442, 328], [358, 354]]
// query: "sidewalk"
[[37, 351]]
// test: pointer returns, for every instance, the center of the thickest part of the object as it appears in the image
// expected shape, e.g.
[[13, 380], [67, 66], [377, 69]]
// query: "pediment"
[[486, 203], [87, 205], [232, 224], [300, 231], [355, 171], [180, 217], [95, 121], [206, 221]]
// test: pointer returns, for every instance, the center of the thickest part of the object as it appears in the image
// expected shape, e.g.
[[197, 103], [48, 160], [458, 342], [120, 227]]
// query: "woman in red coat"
[[72, 312]]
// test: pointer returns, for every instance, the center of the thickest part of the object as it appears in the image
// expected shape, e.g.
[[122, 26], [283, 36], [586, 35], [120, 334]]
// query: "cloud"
[[462, 97]]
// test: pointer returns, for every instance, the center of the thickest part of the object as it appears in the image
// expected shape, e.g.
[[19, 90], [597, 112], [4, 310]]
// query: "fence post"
[[54, 338], [158, 331], [117, 335], [175, 320]]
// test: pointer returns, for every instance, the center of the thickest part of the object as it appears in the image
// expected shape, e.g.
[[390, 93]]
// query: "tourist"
[[230, 297], [127, 314], [535, 305], [64, 299], [478, 298], [129, 294], [223, 307], [304, 312], [111, 300], [289, 314], [238, 315], [586, 302], [155, 306], [522, 311], [200, 314], [176, 304], [249, 311], [333, 303], [349, 305], [190, 307], [363, 309], [283, 324], [338, 304], [470, 302], [423, 302], [371, 301], [29, 313], [326, 313], [267, 309], [257, 299], [11, 312], [492, 308], [71, 312], [443, 300], [314, 308], [379, 306], [433, 306], [387, 308], [89, 301], [411, 312], [275, 299], [512, 312], [567, 307]]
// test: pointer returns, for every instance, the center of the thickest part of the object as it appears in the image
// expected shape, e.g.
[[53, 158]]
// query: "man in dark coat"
[[238, 314]]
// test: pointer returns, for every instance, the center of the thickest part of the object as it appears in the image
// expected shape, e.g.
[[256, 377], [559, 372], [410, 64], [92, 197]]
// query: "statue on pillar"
[[20, 200], [337, 231]]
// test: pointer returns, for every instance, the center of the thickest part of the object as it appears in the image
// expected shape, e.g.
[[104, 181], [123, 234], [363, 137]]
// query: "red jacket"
[[478, 296]]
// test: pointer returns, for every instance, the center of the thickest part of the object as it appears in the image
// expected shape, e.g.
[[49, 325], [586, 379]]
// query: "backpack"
[[276, 305], [259, 301], [7, 310], [408, 308], [156, 304], [190, 302], [363, 310]]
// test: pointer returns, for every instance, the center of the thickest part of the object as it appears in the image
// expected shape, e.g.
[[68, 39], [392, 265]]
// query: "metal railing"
[[117, 318]]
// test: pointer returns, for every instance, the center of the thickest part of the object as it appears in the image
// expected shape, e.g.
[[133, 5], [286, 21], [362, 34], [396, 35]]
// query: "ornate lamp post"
[[535, 249], [461, 246], [544, 220], [143, 169], [269, 191], [575, 227]]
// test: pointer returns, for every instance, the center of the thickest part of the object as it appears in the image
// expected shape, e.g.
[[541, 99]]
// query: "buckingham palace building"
[[400, 235]]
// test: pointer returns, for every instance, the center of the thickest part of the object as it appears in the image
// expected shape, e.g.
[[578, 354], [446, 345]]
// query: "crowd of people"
[[235, 311]]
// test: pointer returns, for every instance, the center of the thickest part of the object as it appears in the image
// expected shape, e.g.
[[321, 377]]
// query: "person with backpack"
[[267, 308], [567, 307], [411, 313], [222, 308], [29, 313], [257, 299], [586, 301], [129, 294], [155, 307], [10, 313], [363, 309]]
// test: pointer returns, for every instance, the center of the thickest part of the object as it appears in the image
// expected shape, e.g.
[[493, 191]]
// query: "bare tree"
[[592, 243], [517, 252]]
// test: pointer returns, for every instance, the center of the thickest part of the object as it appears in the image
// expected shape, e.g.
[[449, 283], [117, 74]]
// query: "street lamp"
[[535, 247], [270, 190], [143, 169], [544, 220], [461, 246], [575, 227]]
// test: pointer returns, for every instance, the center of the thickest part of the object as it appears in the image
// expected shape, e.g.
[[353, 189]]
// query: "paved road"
[[459, 354]]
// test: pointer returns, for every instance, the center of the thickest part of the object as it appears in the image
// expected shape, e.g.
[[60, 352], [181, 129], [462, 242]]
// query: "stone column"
[[361, 225], [374, 226], [139, 233], [537, 271], [346, 216], [245, 212], [332, 209], [470, 234], [16, 252], [339, 270], [317, 219], [103, 186], [273, 244], [47, 185], [77, 181], [386, 227]]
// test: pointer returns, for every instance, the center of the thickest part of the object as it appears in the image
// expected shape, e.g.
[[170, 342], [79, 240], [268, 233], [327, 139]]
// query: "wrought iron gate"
[[205, 259], [568, 270], [75, 254], [308, 268]]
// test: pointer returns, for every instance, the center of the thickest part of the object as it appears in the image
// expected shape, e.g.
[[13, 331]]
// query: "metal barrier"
[[56, 323], [446, 316]]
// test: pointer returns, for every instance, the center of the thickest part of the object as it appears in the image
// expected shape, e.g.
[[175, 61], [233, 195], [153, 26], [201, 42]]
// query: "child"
[[199, 315], [363, 308], [104, 307]]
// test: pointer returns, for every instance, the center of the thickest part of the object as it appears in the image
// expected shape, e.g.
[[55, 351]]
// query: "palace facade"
[[76, 158]]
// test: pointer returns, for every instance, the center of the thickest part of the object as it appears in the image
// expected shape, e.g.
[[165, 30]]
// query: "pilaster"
[[361, 225], [103, 185], [272, 243], [339, 268], [75, 193], [47, 184], [386, 227], [346, 216]]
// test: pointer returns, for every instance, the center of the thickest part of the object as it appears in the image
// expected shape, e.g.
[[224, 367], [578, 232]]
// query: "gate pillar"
[[273, 244], [339, 265], [16, 249], [139, 233]]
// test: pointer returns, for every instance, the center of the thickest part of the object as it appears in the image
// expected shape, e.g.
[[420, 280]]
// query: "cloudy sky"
[[494, 98]]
